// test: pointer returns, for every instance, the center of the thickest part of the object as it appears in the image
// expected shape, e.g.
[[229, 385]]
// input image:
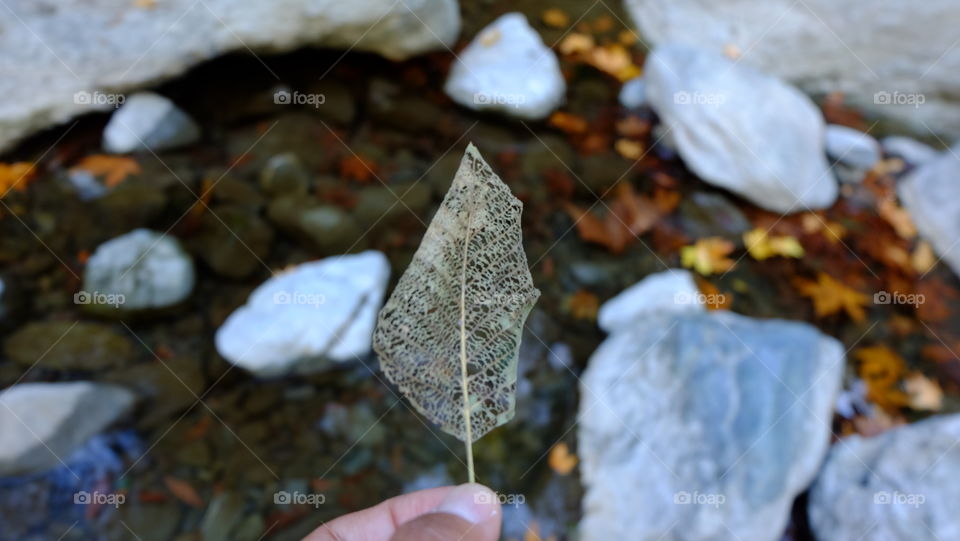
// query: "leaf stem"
[[463, 361]]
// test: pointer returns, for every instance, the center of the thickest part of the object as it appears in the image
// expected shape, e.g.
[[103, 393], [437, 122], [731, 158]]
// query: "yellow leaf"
[[583, 305], [114, 169], [708, 255], [882, 369], [830, 297], [761, 245], [561, 460]]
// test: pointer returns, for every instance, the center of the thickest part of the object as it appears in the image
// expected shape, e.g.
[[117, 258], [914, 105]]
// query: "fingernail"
[[472, 502]]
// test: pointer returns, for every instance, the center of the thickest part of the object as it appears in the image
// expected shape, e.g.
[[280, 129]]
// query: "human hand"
[[468, 512]]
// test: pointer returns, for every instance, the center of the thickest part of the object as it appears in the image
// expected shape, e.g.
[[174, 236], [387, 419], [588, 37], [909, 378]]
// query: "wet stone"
[[234, 241], [707, 214], [330, 228], [392, 202], [68, 345], [284, 174]]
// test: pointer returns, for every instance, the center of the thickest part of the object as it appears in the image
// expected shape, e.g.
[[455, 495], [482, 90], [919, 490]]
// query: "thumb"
[[470, 512]]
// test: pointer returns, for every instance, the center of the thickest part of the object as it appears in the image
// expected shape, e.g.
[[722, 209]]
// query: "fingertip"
[[472, 502]]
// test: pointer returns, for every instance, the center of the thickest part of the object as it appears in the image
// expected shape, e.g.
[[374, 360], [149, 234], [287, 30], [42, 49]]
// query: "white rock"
[[699, 426], [82, 53], [43, 423], [741, 129], [148, 121], [139, 270], [930, 194], [852, 147], [832, 45], [508, 69], [633, 93], [672, 290], [897, 486], [299, 320], [910, 150]]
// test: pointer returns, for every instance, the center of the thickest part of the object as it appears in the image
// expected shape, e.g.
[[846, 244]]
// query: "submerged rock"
[[68, 345], [284, 174], [929, 193], [148, 121], [234, 241], [897, 486], [43, 423], [699, 426], [507, 69], [302, 319], [100, 56], [140, 270], [740, 129]]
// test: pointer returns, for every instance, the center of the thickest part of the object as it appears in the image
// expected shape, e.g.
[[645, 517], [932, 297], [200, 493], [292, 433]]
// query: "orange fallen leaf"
[[555, 18], [830, 296], [576, 43], [713, 298], [629, 149], [923, 259], [898, 217], [633, 126], [708, 255], [184, 491], [583, 305], [16, 176], [357, 168], [561, 460], [113, 169], [628, 216], [627, 37], [568, 122], [614, 59], [203, 200], [603, 23]]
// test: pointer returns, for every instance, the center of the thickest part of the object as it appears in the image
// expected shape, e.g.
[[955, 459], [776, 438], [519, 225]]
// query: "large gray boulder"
[[43, 423], [898, 486], [71, 57], [930, 195], [741, 129], [899, 59], [698, 426]]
